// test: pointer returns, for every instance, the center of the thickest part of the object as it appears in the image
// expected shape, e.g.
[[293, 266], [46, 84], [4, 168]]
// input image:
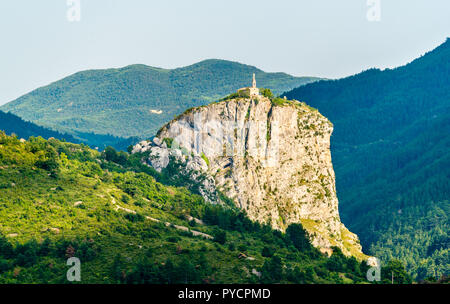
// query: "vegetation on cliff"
[[279, 175]]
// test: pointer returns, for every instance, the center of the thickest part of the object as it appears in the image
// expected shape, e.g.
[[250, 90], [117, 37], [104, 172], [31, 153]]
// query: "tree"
[[267, 251], [110, 154], [298, 237], [296, 276], [46, 247], [188, 271], [6, 249], [272, 270], [27, 254], [220, 236], [117, 268], [267, 93], [48, 159], [5, 265], [395, 271]]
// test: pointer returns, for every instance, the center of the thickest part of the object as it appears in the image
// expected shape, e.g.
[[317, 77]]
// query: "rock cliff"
[[271, 157]]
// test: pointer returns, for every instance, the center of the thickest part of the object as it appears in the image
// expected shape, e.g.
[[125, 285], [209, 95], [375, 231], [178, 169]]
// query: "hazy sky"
[[327, 38]]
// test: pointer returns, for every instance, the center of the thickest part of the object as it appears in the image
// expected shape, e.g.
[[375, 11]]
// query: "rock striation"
[[270, 156]]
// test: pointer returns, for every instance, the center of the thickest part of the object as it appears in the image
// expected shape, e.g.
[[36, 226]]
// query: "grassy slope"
[[38, 192], [119, 101]]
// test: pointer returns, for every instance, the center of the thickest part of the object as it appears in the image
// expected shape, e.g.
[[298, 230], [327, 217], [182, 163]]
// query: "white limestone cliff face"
[[272, 159]]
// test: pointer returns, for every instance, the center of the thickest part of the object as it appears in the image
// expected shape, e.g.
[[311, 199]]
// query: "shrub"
[[272, 270], [242, 247], [134, 217], [266, 93], [4, 265], [205, 158], [125, 199], [298, 237], [220, 236], [231, 247], [168, 141], [6, 249], [173, 239], [267, 252]]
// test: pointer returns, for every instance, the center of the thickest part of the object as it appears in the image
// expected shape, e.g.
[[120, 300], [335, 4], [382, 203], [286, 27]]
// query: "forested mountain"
[[391, 154], [137, 100], [12, 124], [60, 200]]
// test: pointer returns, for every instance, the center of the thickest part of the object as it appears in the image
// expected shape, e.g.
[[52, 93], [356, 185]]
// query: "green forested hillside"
[[137, 100], [391, 154], [12, 124], [61, 200]]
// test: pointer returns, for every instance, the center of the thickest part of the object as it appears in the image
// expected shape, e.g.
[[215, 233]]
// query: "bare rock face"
[[272, 158]]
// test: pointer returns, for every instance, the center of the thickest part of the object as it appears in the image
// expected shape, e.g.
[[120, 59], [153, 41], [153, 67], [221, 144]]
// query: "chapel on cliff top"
[[252, 91]]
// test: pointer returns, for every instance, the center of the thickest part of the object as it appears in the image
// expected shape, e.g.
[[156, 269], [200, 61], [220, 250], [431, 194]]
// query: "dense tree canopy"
[[390, 150]]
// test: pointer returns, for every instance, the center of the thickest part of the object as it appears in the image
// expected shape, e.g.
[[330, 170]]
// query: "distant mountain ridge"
[[12, 124], [136, 100], [391, 154]]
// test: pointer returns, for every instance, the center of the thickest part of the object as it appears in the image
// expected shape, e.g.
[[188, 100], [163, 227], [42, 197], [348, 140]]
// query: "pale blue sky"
[[325, 38]]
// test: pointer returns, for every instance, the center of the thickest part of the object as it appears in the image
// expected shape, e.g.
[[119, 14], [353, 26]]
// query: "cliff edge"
[[270, 156]]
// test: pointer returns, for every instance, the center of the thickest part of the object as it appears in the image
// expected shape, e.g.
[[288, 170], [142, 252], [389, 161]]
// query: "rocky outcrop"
[[271, 157]]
